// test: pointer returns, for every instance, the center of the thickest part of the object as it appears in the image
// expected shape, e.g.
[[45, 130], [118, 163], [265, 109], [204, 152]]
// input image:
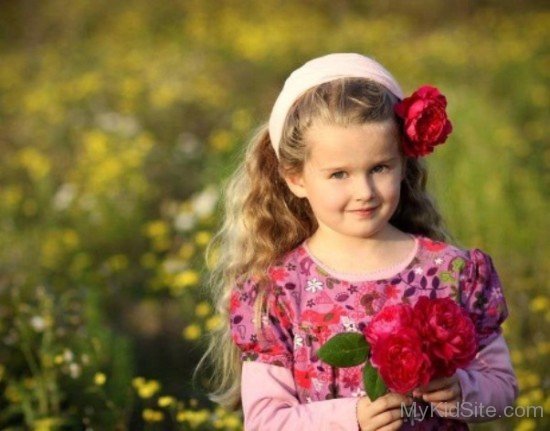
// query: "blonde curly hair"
[[264, 219]]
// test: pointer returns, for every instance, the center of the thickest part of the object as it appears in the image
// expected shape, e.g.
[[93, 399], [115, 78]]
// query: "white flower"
[[317, 384], [418, 270], [115, 122], [185, 221], [358, 393], [314, 285], [68, 355], [204, 202], [298, 341], [74, 370], [188, 144], [349, 325], [38, 323], [173, 266], [438, 261], [64, 196]]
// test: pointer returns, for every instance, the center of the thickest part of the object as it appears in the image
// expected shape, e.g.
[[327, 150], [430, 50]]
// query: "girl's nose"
[[364, 188]]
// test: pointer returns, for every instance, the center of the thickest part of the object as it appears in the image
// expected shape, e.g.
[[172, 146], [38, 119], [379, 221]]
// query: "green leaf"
[[374, 385], [345, 350], [458, 264], [447, 277]]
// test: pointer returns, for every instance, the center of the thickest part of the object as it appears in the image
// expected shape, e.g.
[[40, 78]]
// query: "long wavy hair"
[[263, 219]]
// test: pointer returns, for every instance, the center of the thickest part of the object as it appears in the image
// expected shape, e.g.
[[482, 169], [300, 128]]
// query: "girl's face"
[[352, 178]]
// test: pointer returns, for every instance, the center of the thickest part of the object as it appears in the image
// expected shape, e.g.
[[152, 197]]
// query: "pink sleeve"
[[489, 380], [269, 403], [270, 341], [483, 296]]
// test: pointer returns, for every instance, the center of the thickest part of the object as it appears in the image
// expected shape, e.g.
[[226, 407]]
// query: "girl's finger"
[[388, 402], [386, 418], [437, 384], [446, 394]]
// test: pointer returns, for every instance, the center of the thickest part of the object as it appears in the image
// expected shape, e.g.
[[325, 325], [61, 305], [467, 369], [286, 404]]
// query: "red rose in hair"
[[447, 332], [390, 320], [425, 121], [401, 361]]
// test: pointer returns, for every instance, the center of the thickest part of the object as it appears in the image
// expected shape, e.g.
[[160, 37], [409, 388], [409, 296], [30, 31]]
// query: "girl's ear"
[[296, 185]]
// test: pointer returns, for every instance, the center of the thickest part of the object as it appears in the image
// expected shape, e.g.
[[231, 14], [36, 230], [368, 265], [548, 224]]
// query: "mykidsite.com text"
[[420, 411]]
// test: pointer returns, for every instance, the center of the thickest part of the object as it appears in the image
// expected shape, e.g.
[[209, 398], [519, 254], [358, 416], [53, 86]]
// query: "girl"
[[327, 221]]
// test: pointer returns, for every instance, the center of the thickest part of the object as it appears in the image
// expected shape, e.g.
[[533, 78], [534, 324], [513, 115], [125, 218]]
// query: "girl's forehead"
[[356, 143]]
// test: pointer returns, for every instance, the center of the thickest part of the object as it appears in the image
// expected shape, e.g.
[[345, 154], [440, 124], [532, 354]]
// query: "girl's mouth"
[[364, 211]]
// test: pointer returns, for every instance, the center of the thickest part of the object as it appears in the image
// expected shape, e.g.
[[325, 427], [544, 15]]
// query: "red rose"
[[431, 244], [303, 378], [425, 121], [447, 332], [390, 320], [401, 362]]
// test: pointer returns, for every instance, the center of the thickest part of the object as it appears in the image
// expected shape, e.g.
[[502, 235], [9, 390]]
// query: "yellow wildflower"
[[181, 416], [536, 396], [212, 257], [99, 379], [36, 163], [232, 421], [146, 389], [540, 303], [70, 239], [150, 415], [213, 322], [517, 356], [202, 237], [156, 229], [166, 401], [47, 424], [138, 382], [192, 332], [186, 251], [195, 418], [186, 278], [526, 425], [203, 309], [221, 140]]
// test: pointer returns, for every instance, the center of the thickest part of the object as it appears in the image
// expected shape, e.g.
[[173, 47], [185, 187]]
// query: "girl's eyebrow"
[[337, 168]]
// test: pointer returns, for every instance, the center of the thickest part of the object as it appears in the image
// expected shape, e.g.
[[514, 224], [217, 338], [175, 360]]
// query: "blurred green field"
[[119, 122]]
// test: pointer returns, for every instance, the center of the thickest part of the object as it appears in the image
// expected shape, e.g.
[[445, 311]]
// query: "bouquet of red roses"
[[405, 347]]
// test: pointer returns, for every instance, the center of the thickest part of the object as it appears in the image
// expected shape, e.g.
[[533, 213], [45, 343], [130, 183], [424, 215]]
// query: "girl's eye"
[[380, 168], [338, 175]]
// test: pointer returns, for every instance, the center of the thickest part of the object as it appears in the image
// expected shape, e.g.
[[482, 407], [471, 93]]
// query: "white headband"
[[319, 71]]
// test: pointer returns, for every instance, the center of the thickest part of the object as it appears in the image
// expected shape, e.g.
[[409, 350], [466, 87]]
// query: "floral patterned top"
[[307, 303]]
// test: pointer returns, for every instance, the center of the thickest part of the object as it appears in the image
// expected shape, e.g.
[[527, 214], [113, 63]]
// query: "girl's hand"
[[444, 393], [384, 414]]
